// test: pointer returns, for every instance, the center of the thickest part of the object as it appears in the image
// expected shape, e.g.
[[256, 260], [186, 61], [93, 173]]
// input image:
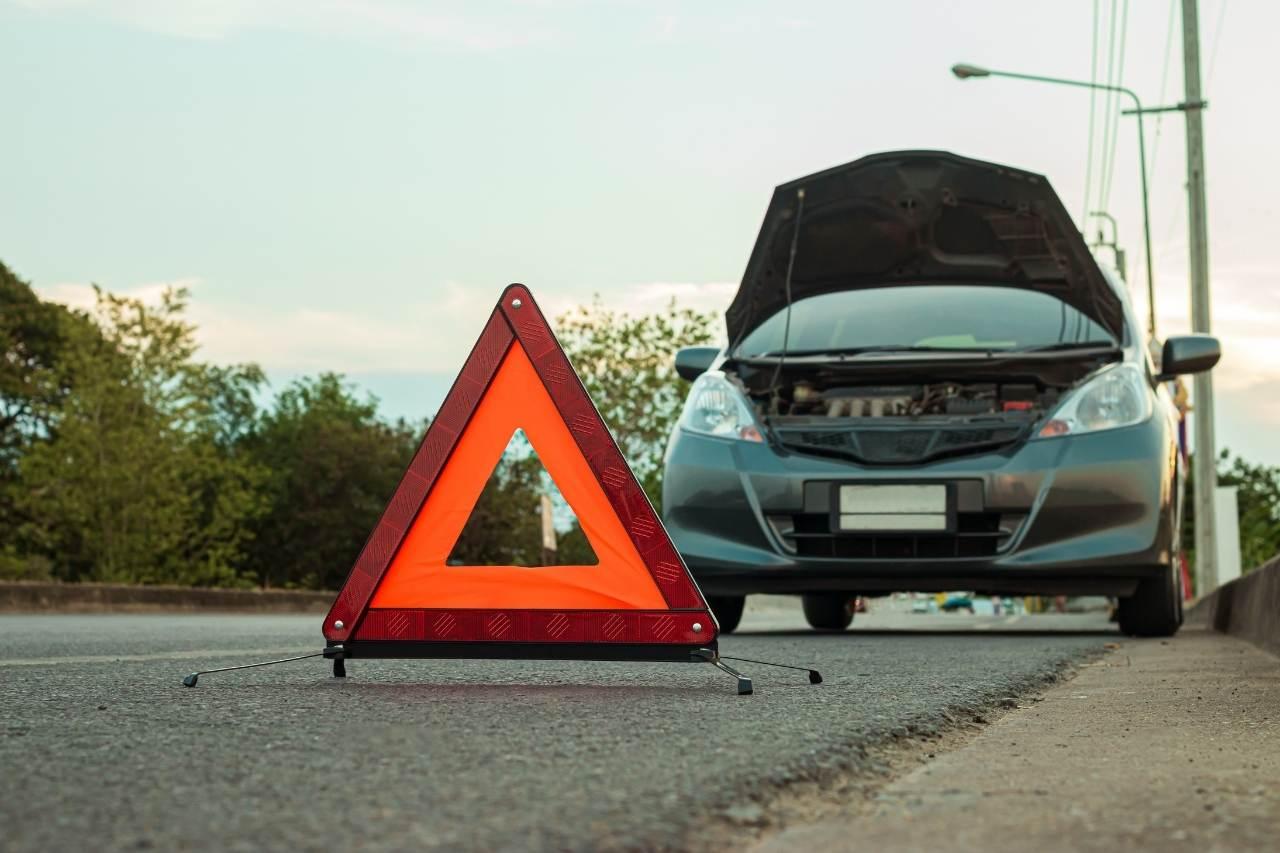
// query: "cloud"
[[436, 334], [306, 340], [417, 337], [217, 19], [650, 297], [433, 336], [1245, 318], [646, 298], [81, 296]]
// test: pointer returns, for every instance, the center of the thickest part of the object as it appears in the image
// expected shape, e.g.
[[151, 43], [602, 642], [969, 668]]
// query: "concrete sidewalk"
[[1162, 745]]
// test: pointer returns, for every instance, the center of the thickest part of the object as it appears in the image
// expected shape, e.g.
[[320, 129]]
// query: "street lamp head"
[[964, 72]]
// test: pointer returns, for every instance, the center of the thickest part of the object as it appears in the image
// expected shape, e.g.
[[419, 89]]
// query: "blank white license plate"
[[906, 507]]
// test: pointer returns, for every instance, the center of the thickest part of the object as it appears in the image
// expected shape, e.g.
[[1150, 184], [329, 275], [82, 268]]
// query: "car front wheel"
[[828, 612], [728, 611], [1155, 608]]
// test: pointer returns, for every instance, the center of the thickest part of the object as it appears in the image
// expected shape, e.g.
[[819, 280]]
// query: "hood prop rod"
[[774, 390]]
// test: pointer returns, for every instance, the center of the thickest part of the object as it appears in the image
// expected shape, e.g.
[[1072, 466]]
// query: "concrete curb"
[[1248, 607], [38, 597]]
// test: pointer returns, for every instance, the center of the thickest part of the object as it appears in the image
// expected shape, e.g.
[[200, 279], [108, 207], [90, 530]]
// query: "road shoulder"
[[1162, 745]]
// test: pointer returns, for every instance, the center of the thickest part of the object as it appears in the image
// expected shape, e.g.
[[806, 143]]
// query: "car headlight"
[[716, 407], [1117, 397]]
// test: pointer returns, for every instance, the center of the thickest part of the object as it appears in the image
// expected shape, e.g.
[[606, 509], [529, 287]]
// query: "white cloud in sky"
[[216, 19], [301, 339], [81, 296], [1245, 317], [646, 298], [433, 337]]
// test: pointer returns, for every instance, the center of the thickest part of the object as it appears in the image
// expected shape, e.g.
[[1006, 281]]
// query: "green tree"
[[505, 527], [333, 466], [227, 483], [124, 458], [573, 549], [33, 338], [627, 365], [132, 484], [1258, 505]]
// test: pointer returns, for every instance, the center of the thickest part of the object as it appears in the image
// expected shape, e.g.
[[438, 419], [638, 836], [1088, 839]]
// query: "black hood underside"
[[920, 217]]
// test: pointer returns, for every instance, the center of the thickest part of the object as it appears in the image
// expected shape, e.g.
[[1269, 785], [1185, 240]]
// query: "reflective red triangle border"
[[517, 318]]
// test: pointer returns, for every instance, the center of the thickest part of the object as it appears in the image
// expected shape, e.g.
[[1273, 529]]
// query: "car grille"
[[977, 534], [899, 444]]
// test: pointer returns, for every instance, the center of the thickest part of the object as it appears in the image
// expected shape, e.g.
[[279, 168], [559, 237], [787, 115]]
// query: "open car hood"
[[920, 217]]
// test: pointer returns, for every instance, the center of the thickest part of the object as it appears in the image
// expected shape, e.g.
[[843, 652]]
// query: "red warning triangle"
[[403, 597]]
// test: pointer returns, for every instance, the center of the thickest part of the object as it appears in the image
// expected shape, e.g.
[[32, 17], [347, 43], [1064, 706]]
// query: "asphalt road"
[[102, 748]]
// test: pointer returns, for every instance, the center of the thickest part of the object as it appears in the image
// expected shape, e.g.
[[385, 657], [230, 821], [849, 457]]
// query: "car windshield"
[[930, 317]]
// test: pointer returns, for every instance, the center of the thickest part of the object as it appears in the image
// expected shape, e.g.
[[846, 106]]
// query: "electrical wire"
[[1177, 219], [1213, 49], [1108, 101], [1109, 172], [1093, 97], [1164, 85]]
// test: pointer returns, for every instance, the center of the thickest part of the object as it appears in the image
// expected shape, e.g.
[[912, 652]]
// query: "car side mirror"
[[1188, 354], [692, 362]]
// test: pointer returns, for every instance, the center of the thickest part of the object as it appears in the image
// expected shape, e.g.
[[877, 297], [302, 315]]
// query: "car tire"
[[828, 612], [728, 611], [1155, 608]]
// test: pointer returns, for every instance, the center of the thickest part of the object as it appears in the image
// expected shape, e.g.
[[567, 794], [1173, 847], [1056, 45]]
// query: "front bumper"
[[1077, 515]]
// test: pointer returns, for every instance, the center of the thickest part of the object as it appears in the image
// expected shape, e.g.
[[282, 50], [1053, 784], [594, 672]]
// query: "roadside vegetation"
[[1258, 505], [125, 458]]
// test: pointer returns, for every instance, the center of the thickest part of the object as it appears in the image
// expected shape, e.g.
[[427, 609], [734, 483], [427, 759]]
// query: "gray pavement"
[[103, 748], [1162, 746]]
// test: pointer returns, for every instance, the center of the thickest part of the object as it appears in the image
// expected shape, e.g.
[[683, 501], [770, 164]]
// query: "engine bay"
[[907, 411], [1013, 400]]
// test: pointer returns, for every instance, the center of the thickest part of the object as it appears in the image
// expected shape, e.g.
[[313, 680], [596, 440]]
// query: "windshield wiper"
[[991, 352], [1068, 345], [842, 351]]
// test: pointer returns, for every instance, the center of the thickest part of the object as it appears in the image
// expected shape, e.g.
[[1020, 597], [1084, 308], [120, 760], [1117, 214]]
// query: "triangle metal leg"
[[744, 683]]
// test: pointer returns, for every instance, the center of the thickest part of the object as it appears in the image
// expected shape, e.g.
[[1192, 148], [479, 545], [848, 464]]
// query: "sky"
[[347, 186]]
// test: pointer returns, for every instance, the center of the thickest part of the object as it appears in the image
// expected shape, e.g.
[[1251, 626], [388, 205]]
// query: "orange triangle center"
[[419, 575]]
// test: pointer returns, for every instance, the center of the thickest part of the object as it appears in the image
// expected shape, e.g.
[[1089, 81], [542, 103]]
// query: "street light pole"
[[964, 72], [1206, 456], [1205, 460]]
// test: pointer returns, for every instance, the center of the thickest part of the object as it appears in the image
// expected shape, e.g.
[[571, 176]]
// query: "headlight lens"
[[716, 407], [1117, 397]]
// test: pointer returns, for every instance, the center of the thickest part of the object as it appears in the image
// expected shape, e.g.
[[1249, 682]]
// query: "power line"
[[1108, 101], [1164, 82], [1213, 48], [1115, 118], [1093, 96], [1177, 218]]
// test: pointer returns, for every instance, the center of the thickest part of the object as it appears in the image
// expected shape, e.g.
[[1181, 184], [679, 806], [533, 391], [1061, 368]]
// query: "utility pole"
[[1206, 454], [548, 531]]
